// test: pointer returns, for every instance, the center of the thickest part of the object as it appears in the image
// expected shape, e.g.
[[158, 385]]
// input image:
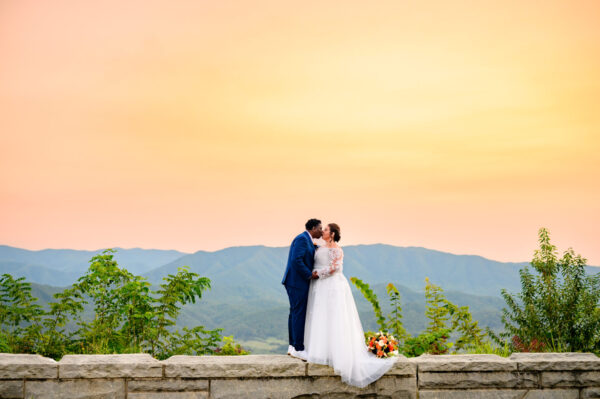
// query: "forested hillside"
[[248, 300]]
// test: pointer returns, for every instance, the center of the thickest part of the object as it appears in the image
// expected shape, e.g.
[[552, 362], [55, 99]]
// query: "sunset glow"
[[460, 126]]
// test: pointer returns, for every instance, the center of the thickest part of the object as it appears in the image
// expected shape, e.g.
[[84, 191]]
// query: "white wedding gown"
[[333, 333]]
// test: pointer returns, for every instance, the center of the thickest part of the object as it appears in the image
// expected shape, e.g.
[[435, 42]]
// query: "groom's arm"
[[299, 249]]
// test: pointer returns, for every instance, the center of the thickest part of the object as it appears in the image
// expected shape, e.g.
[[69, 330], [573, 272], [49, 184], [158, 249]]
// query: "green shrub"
[[127, 316], [444, 319], [557, 308]]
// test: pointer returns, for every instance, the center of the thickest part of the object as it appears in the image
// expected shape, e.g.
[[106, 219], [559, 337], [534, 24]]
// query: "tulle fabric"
[[333, 333]]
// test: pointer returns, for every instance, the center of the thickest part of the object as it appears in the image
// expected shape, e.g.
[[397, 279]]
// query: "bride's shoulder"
[[337, 249]]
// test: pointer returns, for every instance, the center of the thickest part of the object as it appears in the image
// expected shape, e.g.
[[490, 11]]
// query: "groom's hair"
[[312, 223]]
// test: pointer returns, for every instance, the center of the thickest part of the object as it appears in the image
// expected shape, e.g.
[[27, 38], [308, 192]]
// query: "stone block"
[[11, 389], [491, 379], [589, 393], [168, 395], [396, 387], [272, 388], [402, 367], [500, 394], [109, 366], [552, 379], [552, 394], [473, 394], [317, 387], [27, 366], [233, 366], [166, 384], [589, 378], [566, 361], [463, 362], [75, 389], [319, 370]]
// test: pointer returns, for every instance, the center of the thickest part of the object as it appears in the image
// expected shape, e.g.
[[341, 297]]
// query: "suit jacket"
[[301, 261]]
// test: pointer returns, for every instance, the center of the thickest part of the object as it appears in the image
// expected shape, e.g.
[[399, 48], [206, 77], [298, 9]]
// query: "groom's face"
[[317, 231]]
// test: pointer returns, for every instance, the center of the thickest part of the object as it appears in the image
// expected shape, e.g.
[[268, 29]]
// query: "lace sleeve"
[[336, 256]]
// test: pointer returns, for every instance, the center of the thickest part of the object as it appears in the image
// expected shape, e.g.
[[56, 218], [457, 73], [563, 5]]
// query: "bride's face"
[[326, 233]]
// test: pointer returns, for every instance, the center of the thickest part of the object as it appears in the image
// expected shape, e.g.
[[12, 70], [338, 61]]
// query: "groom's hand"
[[315, 275]]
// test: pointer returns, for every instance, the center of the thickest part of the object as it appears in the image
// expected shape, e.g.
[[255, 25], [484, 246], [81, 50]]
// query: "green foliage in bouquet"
[[128, 317], [558, 306]]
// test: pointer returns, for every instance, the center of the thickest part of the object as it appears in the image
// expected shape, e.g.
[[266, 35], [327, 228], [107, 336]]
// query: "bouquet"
[[383, 345]]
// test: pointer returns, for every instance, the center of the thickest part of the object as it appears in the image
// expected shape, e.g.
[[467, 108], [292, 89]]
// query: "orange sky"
[[461, 126]]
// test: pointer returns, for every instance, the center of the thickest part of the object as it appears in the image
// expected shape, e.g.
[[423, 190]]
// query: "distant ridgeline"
[[248, 300]]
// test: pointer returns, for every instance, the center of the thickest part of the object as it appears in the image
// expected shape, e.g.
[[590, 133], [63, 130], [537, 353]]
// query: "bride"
[[333, 334]]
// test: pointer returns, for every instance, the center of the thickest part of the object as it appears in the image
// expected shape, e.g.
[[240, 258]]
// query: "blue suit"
[[296, 280]]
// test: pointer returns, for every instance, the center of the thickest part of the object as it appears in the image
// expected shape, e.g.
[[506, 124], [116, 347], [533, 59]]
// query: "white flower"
[[381, 343], [395, 352]]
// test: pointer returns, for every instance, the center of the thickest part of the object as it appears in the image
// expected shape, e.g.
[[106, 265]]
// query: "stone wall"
[[139, 376]]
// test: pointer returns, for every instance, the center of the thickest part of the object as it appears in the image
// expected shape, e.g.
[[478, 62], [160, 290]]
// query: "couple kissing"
[[323, 324]]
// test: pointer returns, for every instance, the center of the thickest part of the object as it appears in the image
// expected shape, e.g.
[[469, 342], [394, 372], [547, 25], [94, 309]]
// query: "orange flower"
[[380, 353]]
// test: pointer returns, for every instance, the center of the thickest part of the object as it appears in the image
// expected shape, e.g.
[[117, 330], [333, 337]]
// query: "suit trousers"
[[298, 299]]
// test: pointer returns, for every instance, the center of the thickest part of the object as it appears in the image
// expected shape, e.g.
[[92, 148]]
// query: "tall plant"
[[444, 318], [437, 310], [558, 306], [394, 322], [373, 300]]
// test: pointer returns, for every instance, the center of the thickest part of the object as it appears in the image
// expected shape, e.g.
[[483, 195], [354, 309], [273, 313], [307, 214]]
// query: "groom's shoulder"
[[299, 237]]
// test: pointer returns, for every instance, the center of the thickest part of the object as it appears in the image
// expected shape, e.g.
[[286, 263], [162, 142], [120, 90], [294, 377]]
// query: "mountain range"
[[248, 300]]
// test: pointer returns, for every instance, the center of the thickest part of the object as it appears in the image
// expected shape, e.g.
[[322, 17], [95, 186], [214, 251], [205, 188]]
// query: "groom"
[[296, 279]]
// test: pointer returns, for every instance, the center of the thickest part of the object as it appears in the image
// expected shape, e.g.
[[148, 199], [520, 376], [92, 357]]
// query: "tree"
[[19, 314], [126, 315], [557, 308]]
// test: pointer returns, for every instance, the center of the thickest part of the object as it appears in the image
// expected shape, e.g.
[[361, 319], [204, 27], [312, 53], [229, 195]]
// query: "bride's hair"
[[335, 231]]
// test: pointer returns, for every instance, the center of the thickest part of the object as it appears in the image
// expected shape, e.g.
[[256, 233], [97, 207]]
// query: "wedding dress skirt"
[[333, 333]]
